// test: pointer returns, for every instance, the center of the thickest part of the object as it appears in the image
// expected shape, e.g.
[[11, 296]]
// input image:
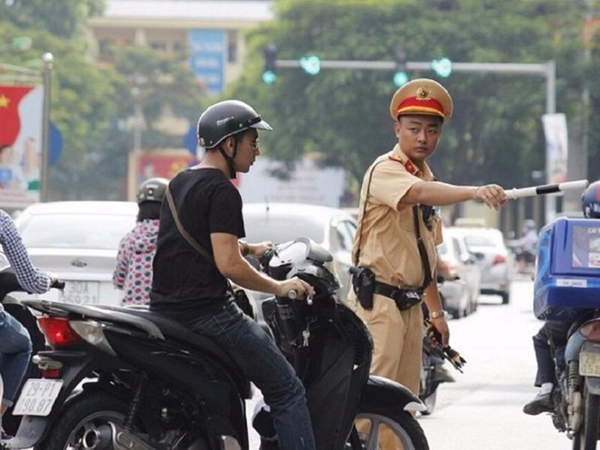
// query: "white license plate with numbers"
[[37, 397], [81, 292]]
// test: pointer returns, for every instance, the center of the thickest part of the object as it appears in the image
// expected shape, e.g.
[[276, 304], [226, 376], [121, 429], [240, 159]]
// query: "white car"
[[487, 244], [78, 241], [330, 227], [461, 289]]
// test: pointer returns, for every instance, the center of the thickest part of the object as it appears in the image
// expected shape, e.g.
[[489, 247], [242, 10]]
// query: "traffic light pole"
[[547, 70]]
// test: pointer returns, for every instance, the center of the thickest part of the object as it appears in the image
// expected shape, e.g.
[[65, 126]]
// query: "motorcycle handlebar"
[[58, 284]]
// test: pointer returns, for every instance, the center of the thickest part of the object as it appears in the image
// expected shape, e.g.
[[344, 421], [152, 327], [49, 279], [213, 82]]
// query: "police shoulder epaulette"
[[409, 166]]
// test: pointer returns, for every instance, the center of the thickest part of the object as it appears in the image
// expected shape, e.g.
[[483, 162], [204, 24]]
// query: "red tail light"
[[51, 373], [591, 331], [499, 259], [58, 331]]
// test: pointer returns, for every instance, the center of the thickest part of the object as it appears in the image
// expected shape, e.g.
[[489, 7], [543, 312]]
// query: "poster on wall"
[[207, 57], [557, 150], [21, 116]]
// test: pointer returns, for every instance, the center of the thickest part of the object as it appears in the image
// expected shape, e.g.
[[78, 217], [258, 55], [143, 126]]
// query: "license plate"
[[37, 397], [81, 292], [589, 364]]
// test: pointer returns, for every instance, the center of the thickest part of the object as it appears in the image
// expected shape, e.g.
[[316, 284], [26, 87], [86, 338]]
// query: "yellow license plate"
[[589, 364]]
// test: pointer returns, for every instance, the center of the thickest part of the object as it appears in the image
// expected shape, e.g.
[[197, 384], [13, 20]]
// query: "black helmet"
[[590, 201], [225, 119], [152, 190]]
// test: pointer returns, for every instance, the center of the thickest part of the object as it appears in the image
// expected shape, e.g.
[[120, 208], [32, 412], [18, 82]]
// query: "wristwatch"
[[438, 314]]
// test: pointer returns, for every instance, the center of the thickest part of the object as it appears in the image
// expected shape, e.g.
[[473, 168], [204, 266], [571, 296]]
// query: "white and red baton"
[[578, 185]]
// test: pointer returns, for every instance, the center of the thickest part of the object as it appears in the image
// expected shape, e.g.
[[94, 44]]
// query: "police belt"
[[404, 298]]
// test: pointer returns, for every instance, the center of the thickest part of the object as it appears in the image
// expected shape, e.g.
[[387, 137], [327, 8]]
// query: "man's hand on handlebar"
[[55, 282], [302, 288]]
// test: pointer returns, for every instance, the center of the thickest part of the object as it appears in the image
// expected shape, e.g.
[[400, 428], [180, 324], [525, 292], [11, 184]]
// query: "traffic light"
[[442, 67], [269, 76], [311, 64], [400, 76]]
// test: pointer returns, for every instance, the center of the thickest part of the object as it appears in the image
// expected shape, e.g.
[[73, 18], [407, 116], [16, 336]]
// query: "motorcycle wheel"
[[587, 436], [83, 414], [402, 424]]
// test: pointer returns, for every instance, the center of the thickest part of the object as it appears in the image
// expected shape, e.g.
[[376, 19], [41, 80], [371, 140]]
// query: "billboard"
[[557, 150], [207, 57], [21, 116]]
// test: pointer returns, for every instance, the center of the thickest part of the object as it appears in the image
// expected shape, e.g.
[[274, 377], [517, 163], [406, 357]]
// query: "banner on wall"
[[557, 147], [207, 57], [21, 116]]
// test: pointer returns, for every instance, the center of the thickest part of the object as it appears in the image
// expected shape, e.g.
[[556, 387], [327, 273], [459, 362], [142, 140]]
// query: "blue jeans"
[[262, 362], [15, 353]]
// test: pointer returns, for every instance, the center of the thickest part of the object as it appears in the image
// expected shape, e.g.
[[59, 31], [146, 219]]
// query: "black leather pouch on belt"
[[363, 284], [404, 298]]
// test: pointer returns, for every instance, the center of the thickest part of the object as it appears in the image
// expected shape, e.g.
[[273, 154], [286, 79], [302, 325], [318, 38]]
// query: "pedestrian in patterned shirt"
[[133, 273], [15, 342]]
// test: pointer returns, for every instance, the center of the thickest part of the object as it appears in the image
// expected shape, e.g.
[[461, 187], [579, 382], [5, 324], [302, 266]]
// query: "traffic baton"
[[578, 185]]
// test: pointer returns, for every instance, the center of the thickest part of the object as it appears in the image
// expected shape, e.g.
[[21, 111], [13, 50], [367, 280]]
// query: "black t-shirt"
[[183, 280]]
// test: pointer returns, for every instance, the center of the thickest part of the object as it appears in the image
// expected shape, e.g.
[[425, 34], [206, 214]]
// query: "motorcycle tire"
[[88, 411], [402, 423], [587, 436]]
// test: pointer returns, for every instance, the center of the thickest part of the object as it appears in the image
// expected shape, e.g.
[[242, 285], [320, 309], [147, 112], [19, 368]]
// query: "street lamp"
[[48, 60]]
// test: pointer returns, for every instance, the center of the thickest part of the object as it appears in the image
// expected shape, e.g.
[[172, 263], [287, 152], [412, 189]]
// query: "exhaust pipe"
[[98, 438], [112, 437]]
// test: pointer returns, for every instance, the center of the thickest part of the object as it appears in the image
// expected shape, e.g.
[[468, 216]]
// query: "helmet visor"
[[259, 124]]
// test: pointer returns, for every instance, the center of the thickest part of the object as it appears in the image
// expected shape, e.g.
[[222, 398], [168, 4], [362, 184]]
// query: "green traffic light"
[[311, 64], [400, 78], [442, 66], [269, 77]]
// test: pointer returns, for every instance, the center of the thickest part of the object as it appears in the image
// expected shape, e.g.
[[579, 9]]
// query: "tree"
[[495, 134], [91, 101]]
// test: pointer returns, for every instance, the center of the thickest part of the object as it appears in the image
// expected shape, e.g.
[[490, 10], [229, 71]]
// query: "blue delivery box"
[[567, 278]]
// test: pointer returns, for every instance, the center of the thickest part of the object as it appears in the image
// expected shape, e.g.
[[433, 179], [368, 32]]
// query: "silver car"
[[460, 290], [487, 244], [78, 241], [331, 227]]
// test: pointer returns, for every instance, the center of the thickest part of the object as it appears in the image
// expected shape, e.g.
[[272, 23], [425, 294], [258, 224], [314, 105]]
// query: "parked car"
[[331, 227], [487, 244], [463, 276], [78, 241]]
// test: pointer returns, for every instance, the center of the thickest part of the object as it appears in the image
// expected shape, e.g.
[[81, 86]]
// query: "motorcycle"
[[12, 305], [566, 293], [128, 378]]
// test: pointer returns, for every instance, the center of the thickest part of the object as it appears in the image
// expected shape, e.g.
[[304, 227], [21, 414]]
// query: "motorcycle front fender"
[[383, 392]]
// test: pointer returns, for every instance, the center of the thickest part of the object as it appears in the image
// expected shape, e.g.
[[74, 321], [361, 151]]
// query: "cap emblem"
[[423, 94]]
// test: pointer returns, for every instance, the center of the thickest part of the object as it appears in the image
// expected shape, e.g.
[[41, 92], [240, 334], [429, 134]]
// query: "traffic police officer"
[[396, 209]]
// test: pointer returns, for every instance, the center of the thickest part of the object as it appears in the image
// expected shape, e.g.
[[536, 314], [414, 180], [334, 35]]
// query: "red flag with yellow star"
[[10, 120]]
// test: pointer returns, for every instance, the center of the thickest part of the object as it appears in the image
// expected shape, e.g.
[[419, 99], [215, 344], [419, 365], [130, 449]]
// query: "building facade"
[[209, 34]]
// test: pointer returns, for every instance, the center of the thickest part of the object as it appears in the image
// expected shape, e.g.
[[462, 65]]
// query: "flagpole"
[[48, 59]]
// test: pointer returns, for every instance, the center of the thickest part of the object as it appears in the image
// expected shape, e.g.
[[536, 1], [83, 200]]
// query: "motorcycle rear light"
[[499, 259], [591, 331], [51, 373], [58, 331]]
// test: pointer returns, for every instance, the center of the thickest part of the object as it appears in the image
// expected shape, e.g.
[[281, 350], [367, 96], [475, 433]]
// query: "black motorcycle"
[[126, 378]]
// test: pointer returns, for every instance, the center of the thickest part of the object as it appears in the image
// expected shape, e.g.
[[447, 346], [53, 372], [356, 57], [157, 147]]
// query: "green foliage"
[[92, 102], [495, 134]]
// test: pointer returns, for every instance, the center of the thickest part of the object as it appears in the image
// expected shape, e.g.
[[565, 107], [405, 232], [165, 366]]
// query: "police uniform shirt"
[[388, 244]]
